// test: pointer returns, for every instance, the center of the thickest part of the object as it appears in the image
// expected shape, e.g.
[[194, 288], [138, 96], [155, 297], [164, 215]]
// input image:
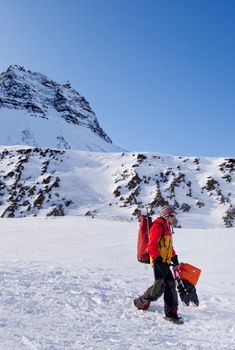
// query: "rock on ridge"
[[46, 182], [45, 113]]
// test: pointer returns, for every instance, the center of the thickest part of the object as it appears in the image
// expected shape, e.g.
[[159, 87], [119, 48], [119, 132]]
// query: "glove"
[[175, 260], [161, 266]]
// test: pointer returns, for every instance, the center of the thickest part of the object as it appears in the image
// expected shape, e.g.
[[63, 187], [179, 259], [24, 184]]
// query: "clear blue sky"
[[159, 74]]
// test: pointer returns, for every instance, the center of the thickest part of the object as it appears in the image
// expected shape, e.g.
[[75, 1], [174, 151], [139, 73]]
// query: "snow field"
[[69, 283]]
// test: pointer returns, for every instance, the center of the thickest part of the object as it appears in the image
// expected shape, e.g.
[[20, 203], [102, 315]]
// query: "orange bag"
[[187, 272]]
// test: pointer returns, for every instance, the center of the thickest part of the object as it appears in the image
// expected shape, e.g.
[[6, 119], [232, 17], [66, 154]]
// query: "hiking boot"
[[141, 304], [173, 317]]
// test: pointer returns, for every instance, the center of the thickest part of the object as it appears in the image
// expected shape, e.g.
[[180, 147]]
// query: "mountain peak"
[[51, 114]]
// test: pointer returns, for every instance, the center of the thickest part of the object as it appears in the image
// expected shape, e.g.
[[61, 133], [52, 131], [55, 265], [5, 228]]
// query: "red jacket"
[[160, 241]]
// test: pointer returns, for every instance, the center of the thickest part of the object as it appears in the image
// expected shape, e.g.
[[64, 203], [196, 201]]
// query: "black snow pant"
[[162, 285]]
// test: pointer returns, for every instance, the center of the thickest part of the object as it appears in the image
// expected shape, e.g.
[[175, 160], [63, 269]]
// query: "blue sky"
[[159, 74]]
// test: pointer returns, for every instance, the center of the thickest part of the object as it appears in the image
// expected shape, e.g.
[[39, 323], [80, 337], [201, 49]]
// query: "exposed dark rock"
[[10, 174], [141, 158], [55, 183], [163, 177], [89, 213], [211, 185], [185, 207], [68, 203], [176, 182], [117, 192], [176, 204], [32, 190], [58, 211], [25, 203], [228, 165], [159, 200], [227, 177], [46, 180], [135, 181], [39, 200], [200, 204], [45, 167], [137, 212], [132, 198], [229, 217]]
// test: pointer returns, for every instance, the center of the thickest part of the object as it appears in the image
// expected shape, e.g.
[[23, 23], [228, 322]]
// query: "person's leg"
[[152, 293], [170, 296]]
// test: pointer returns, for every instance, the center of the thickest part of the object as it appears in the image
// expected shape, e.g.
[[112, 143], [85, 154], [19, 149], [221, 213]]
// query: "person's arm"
[[154, 238], [174, 258]]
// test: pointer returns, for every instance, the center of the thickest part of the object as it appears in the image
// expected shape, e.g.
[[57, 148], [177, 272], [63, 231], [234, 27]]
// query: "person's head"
[[168, 213]]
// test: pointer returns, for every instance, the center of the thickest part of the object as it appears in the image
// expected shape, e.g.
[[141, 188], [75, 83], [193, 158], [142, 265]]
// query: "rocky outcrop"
[[27, 191], [183, 189], [58, 110], [46, 182]]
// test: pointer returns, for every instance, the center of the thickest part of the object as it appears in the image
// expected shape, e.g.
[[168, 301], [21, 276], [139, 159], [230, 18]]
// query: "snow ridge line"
[[46, 182]]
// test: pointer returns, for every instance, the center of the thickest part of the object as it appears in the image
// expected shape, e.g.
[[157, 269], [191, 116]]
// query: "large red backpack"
[[143, 238]]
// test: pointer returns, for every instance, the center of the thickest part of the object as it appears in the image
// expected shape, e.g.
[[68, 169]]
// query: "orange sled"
[[187, 272]]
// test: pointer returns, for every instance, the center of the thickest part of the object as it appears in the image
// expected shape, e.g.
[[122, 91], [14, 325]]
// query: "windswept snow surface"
[[69, 283]]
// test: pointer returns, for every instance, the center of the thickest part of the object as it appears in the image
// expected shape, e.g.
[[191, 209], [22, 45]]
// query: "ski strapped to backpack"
[[143, 238]]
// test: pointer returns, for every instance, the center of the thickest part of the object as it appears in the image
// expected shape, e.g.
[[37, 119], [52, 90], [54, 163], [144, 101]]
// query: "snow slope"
[[68, 284], [35, 181], [21, 129], [37, 111]]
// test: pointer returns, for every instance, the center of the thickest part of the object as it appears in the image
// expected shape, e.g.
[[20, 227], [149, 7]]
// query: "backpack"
[[146, 223], [143, 238]]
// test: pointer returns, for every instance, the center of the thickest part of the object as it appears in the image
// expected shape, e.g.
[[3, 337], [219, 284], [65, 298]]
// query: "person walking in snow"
[[162, 254]]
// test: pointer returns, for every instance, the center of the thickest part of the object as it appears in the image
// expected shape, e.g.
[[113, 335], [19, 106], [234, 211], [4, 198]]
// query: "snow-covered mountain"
[[46, 182], [39, 112], [62, 171]]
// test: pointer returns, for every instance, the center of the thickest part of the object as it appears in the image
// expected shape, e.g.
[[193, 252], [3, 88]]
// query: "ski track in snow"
[[57, 308]]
